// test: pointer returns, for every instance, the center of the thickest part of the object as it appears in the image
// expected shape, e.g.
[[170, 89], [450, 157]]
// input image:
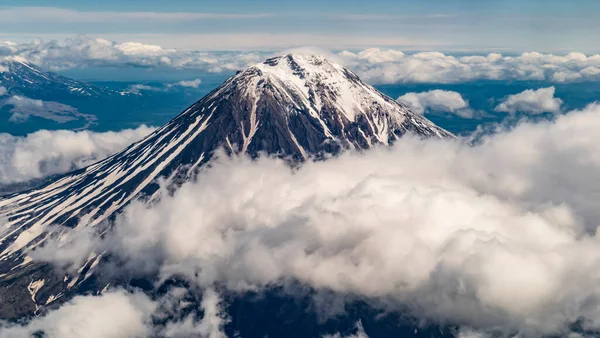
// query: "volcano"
[[294, 106]]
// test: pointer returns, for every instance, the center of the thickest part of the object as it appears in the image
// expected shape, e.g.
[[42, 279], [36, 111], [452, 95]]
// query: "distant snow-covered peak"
[[22, 77]]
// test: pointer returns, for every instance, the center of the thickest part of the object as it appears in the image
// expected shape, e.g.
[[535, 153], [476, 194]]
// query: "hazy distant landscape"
[[158, 107]]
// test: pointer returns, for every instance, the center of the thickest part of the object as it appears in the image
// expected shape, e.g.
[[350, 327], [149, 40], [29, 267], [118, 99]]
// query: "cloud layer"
[[84, 51], [23, 107], [390, 66], [531, 101], [66, 15], [112, 315], [374, 65], [437, 101], [498, 237], [45, 152], [117, 313]]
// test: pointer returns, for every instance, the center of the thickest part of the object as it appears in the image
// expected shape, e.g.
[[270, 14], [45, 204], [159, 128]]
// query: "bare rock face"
[[294, 106]]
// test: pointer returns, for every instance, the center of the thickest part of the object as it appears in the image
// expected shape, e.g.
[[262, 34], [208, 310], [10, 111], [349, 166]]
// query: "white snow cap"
[[307, 74]]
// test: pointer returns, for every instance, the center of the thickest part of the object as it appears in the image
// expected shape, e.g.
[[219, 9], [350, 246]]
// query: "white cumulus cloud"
[[83, 51], [495, 237], [442, 101], [117, 313], [112, 315], [374, 65], [187, 83], [45, 152], [390, 66], [531, 101], [24, 102]]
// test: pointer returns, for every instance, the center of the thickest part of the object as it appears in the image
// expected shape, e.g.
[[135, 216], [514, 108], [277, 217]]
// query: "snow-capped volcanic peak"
[[338, 85], [346, 109], [292, 106]]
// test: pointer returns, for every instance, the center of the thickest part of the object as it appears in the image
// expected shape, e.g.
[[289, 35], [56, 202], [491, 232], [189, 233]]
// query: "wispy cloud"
[[186, 84], [368, 17], [56, 14], [24, 107]]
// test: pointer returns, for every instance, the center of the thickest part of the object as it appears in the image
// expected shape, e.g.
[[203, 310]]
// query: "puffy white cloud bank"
[[118, 314], [438, 101], [85, 51], [531, 101], [374, 65], [389, 66], [497, 238], [113, 315], [45, 152]]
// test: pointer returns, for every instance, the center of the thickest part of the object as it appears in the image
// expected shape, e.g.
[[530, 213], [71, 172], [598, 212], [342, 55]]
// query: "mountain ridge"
[[21, 77]]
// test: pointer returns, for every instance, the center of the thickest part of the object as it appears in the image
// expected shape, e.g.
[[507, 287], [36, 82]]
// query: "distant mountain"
[[21, 77], [293, 106]]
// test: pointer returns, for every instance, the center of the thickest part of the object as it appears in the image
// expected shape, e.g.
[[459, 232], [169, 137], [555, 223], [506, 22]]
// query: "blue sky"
[[550, 25]]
